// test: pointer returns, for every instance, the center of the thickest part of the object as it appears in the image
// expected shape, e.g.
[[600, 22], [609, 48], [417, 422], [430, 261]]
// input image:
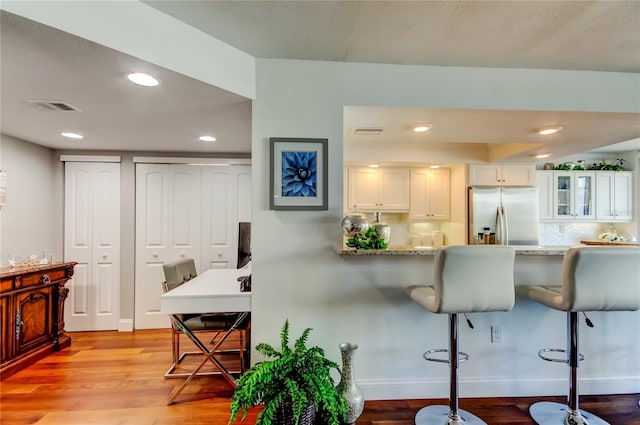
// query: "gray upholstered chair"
[[467, 279], [177, 273], [594, 278]]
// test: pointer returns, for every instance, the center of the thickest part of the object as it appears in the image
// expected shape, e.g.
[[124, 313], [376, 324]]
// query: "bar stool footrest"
[[427, 356], [556, 350]]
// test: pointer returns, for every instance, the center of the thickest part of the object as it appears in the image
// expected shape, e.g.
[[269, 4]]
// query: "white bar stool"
[[467, 279], [594, 278]]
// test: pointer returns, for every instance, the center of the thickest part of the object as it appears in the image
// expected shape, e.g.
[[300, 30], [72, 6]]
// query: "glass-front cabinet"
[[574, 195]]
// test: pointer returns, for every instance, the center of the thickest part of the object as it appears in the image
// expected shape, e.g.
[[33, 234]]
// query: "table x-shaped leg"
[[209, 354]]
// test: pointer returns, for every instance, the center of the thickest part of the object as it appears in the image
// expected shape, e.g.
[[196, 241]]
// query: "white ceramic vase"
[[347, 386]]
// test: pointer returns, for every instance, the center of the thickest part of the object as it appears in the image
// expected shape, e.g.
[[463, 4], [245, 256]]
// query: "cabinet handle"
[[155, 255], [45, 279], [104, 255], [182, 254]]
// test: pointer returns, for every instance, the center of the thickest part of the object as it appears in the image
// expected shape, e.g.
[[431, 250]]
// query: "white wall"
[[29, 220], [297, 275]]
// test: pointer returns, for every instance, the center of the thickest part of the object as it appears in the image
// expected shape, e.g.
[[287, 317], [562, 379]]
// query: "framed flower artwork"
[[299, 179]]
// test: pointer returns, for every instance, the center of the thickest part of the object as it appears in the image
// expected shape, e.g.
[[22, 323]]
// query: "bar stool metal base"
[[548, 413], [439, 415]]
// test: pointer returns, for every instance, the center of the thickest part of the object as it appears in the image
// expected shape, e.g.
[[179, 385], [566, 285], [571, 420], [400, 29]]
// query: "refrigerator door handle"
[[499, 226], [505, 227]]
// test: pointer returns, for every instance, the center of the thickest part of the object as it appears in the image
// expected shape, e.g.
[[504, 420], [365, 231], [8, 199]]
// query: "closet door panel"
[[152, 229], [77, 309], [184, 215], [92, 238], [218, 218], [243, 192], [106, 246], [168, 214], [152, 210], [78, 244]]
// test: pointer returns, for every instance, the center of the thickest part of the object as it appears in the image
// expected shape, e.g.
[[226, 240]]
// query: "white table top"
[[214, 291]]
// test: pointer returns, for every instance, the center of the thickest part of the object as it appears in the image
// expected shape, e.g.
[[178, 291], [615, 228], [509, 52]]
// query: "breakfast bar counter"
[[407, 250], [373, 293]]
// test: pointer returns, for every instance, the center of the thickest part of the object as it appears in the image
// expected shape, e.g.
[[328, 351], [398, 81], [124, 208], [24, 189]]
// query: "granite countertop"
[[412, 250]]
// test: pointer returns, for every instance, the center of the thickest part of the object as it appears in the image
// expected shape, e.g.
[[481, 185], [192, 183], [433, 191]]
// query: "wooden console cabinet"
[[32, 315]]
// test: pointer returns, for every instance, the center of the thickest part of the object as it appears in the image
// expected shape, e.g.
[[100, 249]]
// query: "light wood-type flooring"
[[116, 378]]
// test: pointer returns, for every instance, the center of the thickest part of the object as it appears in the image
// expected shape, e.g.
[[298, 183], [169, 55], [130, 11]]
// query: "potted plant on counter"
[[294, 385]]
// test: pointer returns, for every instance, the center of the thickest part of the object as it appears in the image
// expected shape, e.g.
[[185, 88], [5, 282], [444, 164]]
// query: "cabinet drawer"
[[39, 278], [6, 285]]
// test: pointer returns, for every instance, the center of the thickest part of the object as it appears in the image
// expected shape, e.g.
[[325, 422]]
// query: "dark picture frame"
[[299, 177]]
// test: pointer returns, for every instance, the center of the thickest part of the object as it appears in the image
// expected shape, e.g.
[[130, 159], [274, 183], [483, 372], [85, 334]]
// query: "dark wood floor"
[[116, 378]]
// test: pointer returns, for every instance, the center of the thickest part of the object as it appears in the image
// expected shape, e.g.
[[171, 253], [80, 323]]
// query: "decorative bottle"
[[347, 386], [382, 229]]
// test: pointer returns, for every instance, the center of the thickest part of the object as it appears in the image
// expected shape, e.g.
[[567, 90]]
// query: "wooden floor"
[[116, 378]]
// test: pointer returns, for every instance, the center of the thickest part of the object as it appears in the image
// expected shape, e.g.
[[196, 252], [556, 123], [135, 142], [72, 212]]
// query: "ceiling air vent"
[[370, 131], [53, 105]]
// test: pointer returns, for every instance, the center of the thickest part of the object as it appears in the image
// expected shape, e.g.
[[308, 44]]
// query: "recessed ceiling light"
[[142, 79], [434, 166], [542, 155], [549, 130], [422, 128], [207, 138], [373, 165], [72, 135]]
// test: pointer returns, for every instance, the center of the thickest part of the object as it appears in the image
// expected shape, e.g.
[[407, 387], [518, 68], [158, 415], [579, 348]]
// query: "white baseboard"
[[125, 325], [416, 389]]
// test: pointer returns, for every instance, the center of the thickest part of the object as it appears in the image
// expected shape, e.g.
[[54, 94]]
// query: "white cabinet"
[[544, 183], [378, 189], [502, 175], [574, 195], [614, 195], [430, 194]]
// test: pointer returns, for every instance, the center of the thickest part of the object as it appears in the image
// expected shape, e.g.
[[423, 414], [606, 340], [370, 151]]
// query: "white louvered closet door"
[[168, 216], [92, 239]]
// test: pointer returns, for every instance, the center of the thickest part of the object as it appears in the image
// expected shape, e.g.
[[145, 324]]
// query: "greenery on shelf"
[[602, 166], [565, 166], [292, 377], [616, 166], [367, 240]]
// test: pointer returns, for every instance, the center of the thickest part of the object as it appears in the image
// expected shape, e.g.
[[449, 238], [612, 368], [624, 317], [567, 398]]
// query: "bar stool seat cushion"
[[478, 278], [594, 279]]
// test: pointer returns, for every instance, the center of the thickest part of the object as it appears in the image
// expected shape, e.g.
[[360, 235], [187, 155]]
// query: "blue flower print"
[[299, 174]]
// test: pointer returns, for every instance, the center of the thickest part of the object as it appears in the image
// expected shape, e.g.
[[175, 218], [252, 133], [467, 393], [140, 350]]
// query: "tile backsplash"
[[404, 232], [566, 234]]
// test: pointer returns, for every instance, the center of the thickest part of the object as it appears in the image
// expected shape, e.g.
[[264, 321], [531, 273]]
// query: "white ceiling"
[[39, 62]]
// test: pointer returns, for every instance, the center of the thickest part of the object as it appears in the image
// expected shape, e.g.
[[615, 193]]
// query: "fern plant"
[[294, 377]]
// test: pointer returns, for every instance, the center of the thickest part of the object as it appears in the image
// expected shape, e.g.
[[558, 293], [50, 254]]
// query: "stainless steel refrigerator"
[[510, 214]]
